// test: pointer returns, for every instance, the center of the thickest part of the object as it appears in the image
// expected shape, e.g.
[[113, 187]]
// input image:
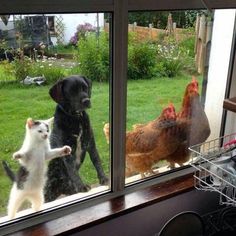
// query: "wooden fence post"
[[201, 38], [169, 27], [150, 31]]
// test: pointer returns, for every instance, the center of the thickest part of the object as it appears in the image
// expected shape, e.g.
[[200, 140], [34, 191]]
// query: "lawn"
[[146, 98]]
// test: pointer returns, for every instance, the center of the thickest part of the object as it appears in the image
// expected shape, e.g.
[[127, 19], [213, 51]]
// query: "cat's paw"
[[17, 155], [66, 150]]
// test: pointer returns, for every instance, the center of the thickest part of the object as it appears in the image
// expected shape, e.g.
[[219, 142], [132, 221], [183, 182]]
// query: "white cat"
[[28, 183]]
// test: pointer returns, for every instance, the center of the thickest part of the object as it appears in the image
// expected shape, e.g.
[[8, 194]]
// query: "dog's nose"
[[86, 102]]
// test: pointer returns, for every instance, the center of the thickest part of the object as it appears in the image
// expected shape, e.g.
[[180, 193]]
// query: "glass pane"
[[53, 65], [168, 55]]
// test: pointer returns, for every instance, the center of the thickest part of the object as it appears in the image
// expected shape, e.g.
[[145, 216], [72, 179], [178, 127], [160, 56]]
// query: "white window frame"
[[119, 32]]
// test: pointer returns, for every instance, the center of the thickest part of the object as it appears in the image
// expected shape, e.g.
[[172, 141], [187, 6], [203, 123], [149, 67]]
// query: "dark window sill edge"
[[107, 210]]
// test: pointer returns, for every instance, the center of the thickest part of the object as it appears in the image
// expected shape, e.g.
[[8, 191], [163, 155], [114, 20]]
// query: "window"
[[120, 90], [33, 63], [167, 54]]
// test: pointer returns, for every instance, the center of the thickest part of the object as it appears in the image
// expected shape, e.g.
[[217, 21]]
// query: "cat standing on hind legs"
[[28, 183]]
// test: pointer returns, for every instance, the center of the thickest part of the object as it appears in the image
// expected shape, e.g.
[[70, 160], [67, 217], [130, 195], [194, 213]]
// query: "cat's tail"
[[8, 171]]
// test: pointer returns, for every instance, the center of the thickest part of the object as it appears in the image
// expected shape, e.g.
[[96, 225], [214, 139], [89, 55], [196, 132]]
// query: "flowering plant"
[[81, 32], [171, 58]]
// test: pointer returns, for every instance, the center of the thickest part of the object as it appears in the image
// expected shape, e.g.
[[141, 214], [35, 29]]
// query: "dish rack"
[[205, 158]]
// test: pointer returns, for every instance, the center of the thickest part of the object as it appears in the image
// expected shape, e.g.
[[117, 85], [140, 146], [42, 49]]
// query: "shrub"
[[187, 47], [6, 71], [188, 44], [93, 56], [170, 57], [21, 67], [51, 72], [141, 60], [27, 67]]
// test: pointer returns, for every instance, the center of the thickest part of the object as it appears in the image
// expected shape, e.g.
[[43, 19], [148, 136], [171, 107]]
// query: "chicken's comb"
[[171, 105], [194, 80]]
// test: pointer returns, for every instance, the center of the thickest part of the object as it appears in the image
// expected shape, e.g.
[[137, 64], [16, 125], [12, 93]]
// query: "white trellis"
[[59, 29]]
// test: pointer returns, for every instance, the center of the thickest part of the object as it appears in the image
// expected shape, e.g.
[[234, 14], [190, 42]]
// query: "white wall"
[[218, 67], [230, 126], [9, 26], [71, 21]]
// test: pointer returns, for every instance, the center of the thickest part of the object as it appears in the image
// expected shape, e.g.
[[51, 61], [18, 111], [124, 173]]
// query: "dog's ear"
[[56, 92], [89, 83]]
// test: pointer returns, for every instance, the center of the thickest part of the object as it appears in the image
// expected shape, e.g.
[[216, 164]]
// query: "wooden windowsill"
[[110, 209], [230, 104]]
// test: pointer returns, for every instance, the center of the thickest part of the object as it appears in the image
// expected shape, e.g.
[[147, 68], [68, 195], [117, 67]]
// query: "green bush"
[[6, 71], [21, 68], [27, 67], [141, 60], [188, 44], [187, 48], [51, 72], [93, 56]]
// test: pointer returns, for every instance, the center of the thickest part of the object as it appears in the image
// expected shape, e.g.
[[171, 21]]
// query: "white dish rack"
[[205, 158]]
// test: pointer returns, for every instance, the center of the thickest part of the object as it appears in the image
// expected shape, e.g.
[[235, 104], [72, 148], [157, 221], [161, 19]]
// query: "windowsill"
[[230, 104], [95, 190], [109, 209], [60, 201]]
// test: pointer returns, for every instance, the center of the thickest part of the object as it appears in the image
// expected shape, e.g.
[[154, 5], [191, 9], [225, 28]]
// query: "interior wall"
[[218, 67], [230, 126], [149, 220]]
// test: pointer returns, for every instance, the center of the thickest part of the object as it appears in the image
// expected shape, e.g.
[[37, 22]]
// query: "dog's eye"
[[40, 131]]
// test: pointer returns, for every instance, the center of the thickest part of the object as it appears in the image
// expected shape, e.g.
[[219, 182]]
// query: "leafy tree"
[[183, 19]]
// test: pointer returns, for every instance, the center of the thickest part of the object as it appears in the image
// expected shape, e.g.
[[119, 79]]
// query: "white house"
[[71, 21]]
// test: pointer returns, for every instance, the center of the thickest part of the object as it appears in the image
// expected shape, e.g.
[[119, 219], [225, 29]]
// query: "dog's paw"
[[103, 180], [84, 188], [66, 150]]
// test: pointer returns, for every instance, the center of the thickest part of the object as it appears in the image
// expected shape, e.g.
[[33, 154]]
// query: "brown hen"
[[197, 125], [168, 136], [151, 142]]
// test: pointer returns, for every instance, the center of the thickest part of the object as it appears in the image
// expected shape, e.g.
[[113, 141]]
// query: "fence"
[[203, 32], [154, 34]]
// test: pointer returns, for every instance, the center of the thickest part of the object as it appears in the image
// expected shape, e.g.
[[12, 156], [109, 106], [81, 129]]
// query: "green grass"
[[17, 103], [62, 49], [146, 98]]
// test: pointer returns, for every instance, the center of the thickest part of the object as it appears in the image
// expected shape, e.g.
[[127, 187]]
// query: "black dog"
[[71, 127]]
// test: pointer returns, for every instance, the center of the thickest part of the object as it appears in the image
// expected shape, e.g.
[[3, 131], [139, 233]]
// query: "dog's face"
[[72, 93]]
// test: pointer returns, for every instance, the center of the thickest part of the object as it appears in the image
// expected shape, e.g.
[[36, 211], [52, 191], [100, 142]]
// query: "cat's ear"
[[56, 92], [29, 123], [49, 121]]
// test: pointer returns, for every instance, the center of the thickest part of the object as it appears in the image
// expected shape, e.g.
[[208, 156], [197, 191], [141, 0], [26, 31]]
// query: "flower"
[[81, 32]]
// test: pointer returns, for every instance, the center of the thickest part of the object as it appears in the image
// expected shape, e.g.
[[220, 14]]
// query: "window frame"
[[118, 100]]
